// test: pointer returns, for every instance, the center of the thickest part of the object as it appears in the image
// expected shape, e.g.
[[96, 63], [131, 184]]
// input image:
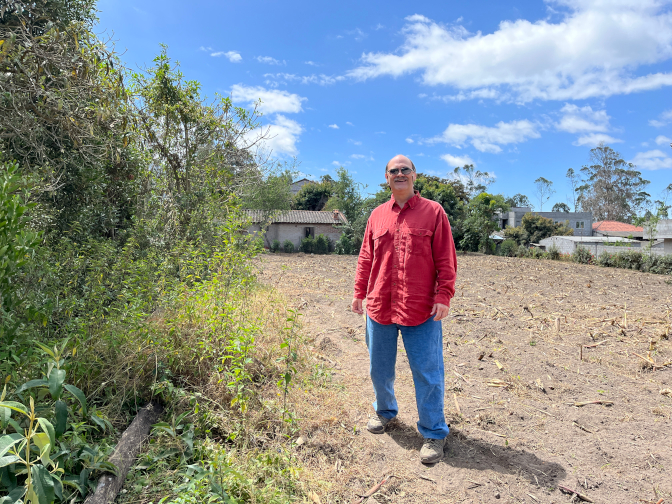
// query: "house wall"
[[295, 232], [573, 218], [569, 246]]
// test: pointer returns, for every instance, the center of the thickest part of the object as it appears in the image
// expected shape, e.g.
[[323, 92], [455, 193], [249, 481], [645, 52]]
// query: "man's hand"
[[441, 311], [357, 306]]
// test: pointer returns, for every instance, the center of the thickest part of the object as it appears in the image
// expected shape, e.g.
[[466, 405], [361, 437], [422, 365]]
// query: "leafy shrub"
[[343, 245], [508, 248], [288, 247], [321, 245], [554, 252], [582, 256], [523, 251], [662, 265], [536, 253], [275, 246], [307, 245], [47, 447], [605, 259]]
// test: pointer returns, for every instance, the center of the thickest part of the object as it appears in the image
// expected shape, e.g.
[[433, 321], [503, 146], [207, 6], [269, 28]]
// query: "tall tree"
[[346, 196], [544, 191], [480, 221], [573, 178], [612, 189], [561, 207], [519, 200], [314, 196], [475, 181]]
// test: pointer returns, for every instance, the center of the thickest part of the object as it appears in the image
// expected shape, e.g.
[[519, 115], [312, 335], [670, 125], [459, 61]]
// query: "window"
[[580, 224], [309, 232]]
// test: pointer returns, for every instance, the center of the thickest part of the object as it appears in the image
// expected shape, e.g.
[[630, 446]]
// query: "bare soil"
[[526, 343]]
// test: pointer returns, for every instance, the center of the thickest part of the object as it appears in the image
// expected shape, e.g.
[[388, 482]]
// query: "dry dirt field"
[[557, 375]]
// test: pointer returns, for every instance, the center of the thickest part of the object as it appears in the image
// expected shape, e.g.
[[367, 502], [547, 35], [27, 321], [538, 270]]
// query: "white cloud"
[[661, 139], [488, 139], [233, 56], [594, 50], [409, 140], [583, 119], [311, 63], [206, 49], [349, 123], [594, 139], [334, 126], [270, 61], [321, 79], [281, 136], [665, 119], [358, 156], [652, 160], [455, 161], [356, 142], [336, 163], [272, 100]]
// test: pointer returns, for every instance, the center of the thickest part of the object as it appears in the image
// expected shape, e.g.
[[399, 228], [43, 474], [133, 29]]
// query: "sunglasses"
[[404, 171]]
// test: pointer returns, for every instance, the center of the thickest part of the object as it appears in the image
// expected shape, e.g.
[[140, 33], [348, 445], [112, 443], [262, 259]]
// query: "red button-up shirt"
[[407, 262]]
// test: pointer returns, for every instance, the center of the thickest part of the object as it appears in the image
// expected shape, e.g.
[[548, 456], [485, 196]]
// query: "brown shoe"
[[432, 450], [376, 424]]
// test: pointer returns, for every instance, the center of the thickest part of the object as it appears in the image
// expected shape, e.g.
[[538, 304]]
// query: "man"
[[406, 272]]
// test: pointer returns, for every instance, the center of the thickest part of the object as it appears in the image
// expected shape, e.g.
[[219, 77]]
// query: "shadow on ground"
[[464, 452]]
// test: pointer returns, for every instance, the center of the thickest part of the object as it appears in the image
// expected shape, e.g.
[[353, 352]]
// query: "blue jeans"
[[424, 347]]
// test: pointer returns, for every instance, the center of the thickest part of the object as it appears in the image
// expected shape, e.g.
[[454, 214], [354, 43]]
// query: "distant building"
[[595, 244], [296, 186], [295, 225], [580, 222], [615, 228], [664, 232]]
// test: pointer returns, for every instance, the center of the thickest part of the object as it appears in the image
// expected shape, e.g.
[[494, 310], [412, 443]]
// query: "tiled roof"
[[301, 217], [615, 226]]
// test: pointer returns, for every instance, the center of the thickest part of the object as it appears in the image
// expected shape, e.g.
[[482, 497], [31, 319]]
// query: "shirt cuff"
[[442, 299]]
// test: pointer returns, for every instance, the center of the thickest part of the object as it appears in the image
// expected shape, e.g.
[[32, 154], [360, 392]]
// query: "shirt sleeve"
[[445, 259], [364, 263]]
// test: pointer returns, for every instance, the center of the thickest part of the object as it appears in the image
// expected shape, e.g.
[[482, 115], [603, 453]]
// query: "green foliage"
[[17, 245], [321, 244], [345, 196], [582, 255], [343, 245], [523, 251], [554, 253], [534, 228], [612, 189], [47, 457], [313, 196], [288, 246], [519, 200], [275, 246], [307, 245], [508, 248], [561, 207], [480, 223]]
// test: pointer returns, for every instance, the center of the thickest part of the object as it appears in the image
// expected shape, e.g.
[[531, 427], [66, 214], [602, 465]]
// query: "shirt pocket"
[[380, 237], [420, 241]]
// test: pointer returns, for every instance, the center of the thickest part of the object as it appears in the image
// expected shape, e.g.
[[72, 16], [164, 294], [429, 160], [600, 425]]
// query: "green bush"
[[536, 253], [321, 245], [508, 248], [307, 245], [523, 251], [275, 246], [343, 245], [605, 259], [582, 256], [554, 253], [288, 247]]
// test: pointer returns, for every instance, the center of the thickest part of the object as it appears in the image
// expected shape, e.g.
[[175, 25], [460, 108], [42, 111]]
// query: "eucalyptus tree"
[[612, 189]]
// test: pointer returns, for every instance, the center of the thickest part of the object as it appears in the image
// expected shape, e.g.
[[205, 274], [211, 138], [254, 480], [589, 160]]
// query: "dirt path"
[[513, 368]]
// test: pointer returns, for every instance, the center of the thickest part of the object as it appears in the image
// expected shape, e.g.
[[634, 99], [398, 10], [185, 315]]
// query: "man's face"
[[399, 182]]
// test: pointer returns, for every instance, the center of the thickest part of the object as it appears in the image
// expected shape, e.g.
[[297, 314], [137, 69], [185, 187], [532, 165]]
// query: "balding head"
[[400, 157]]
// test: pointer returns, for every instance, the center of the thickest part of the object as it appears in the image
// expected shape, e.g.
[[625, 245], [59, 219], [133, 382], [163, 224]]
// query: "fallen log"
[[124, 455]]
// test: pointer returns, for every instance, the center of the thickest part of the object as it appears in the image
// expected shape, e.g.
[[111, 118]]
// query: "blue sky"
[[521, 89]]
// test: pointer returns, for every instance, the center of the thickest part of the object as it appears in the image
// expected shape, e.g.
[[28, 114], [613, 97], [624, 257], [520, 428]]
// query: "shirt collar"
[[411, 202]]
